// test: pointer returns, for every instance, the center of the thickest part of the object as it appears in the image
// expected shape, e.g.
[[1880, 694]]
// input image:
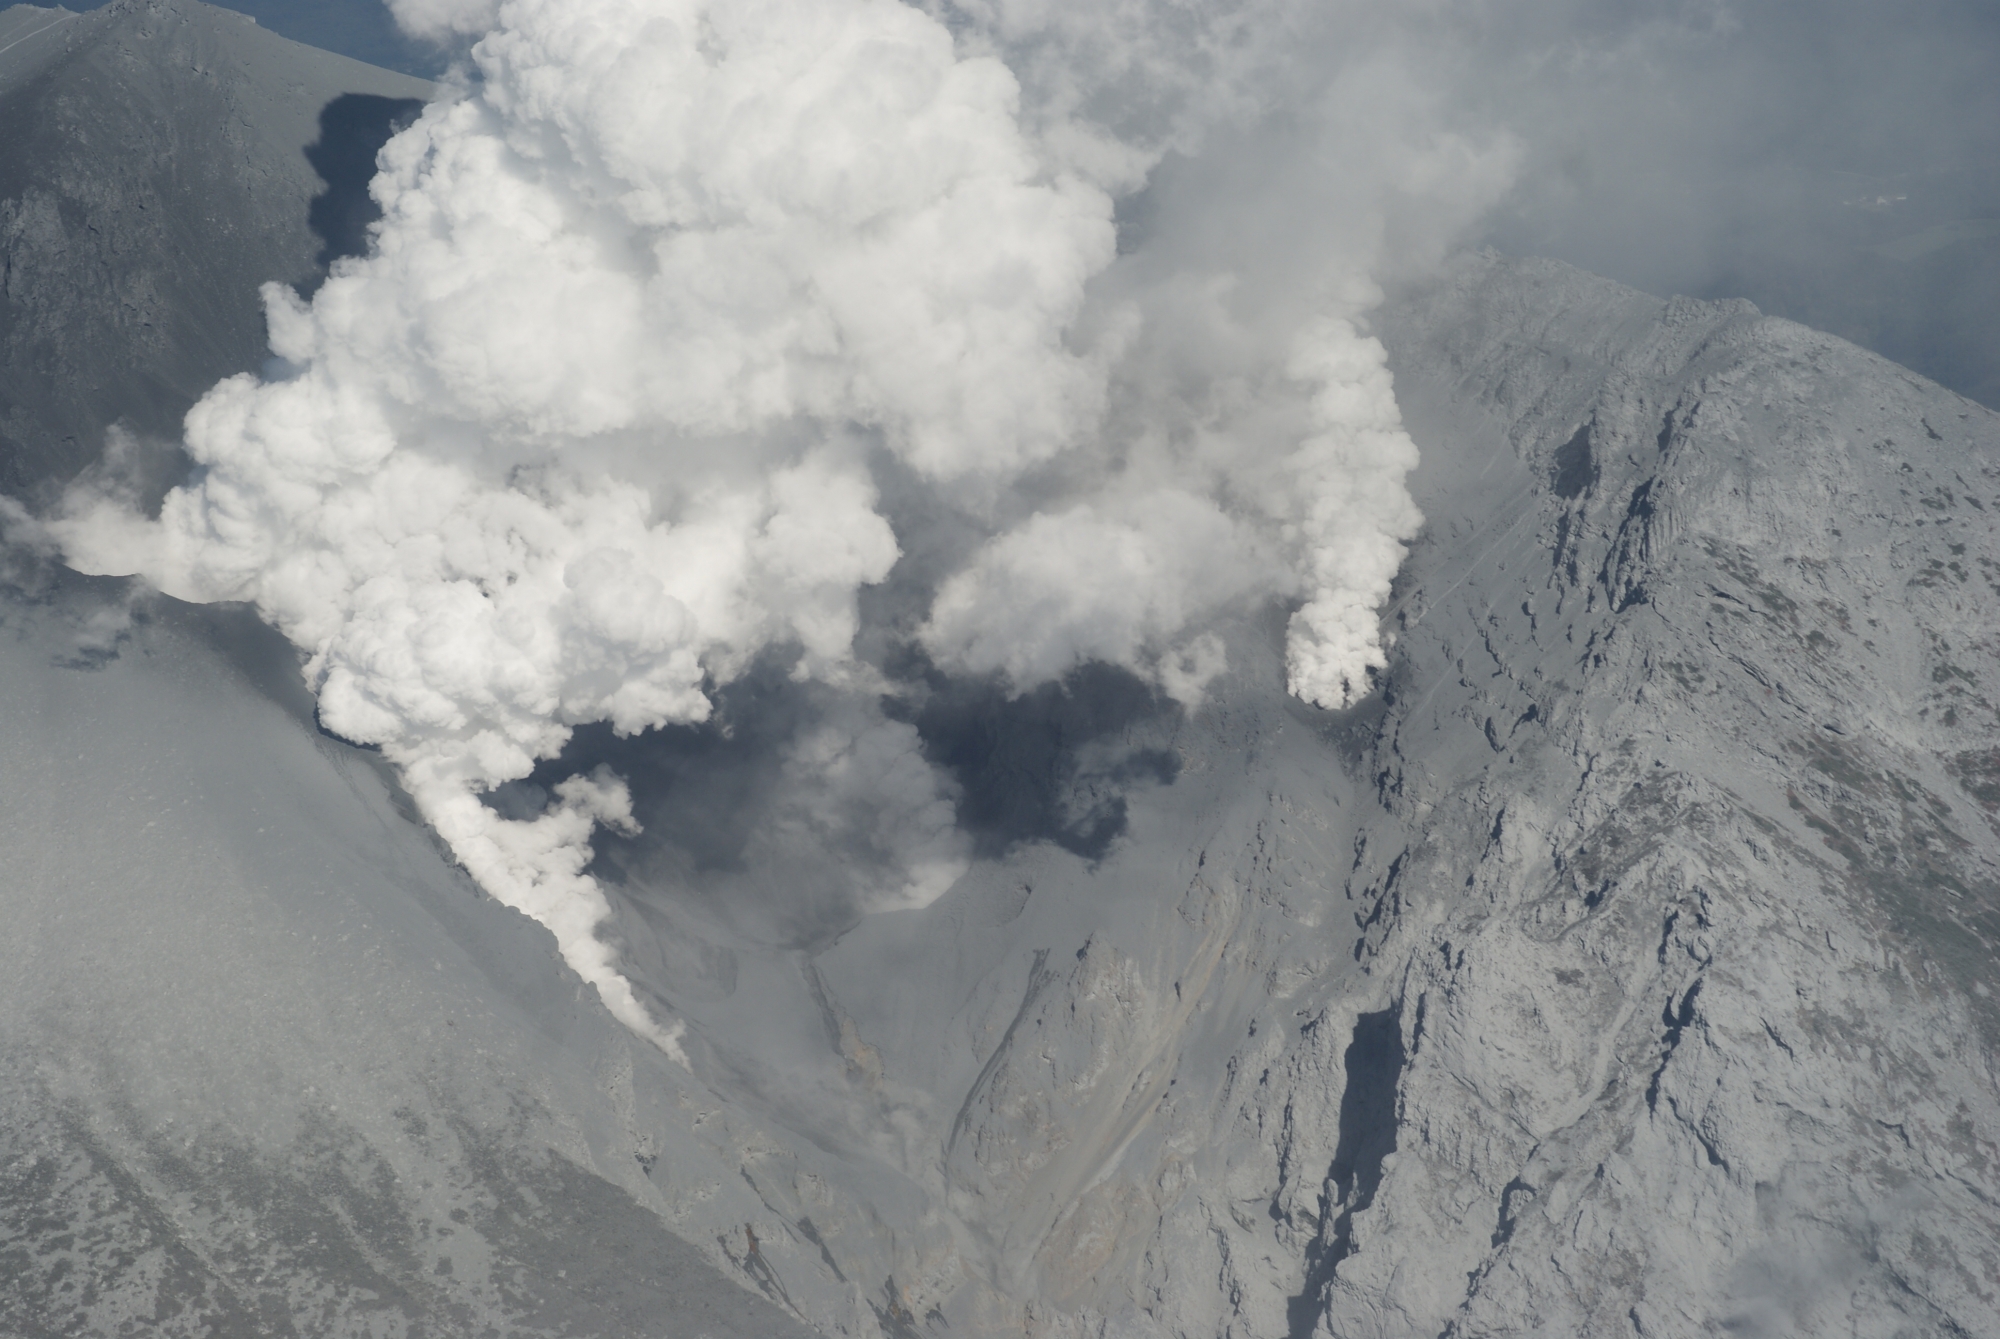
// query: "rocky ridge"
[[1697, 959]]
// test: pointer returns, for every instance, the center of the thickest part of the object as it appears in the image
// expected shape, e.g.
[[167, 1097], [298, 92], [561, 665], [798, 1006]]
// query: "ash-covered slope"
[[159, 160], [1624, 967], [268, 1065]]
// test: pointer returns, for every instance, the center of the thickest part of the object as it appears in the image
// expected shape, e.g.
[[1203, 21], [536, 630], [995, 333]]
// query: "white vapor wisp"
[[659, 292]]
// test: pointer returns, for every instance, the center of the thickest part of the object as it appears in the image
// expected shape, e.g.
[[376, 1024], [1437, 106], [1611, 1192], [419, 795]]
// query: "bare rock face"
[[1694, 963]]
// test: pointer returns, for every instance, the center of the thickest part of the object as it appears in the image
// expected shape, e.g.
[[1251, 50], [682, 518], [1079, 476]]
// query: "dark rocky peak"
[[160, 160]]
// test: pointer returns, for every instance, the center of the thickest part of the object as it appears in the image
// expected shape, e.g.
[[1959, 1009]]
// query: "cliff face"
[[1625, 965], [1694, 963]]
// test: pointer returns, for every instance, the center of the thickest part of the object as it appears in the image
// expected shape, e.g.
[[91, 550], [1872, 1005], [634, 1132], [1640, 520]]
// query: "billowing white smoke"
[[1131, 577], [596, 424]]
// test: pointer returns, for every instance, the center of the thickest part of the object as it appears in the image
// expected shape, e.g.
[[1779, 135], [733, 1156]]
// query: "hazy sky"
[[1838, 163]]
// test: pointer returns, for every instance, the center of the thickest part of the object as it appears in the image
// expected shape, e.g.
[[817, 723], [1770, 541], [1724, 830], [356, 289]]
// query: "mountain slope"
[[1699, 909], [1623, 966], [268, 1065], [159, 161]]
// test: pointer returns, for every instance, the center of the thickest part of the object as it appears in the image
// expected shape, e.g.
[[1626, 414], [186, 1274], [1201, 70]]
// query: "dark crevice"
[[1374, 1066], [1516, 1194], [1667, 932], [811, 1234], [1676, 1022], [1575, 465], [1640, 508], [893, 1313]]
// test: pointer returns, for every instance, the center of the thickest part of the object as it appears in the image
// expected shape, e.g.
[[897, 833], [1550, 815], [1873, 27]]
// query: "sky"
[[1836, 163]]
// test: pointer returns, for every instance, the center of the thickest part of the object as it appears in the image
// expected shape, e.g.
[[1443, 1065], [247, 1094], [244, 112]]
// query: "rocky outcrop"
[[1695, 961]]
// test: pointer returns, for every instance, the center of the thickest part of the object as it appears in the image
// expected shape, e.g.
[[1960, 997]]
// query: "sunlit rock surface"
[[1694, 963]]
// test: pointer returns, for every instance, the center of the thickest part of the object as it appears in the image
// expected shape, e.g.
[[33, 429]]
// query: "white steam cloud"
[[665, 285]]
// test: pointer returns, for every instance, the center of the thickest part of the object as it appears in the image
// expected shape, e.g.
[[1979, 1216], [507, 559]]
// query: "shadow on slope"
[[159, 166], [717, 802], [352, 130], [1052, 765], [1373, 1064]]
